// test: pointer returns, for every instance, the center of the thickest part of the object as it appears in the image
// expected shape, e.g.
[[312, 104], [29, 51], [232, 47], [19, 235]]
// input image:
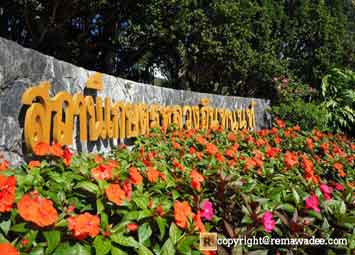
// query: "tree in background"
[[223, 46]]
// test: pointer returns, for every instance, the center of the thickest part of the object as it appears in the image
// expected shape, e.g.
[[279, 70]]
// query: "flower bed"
[[157, 197]]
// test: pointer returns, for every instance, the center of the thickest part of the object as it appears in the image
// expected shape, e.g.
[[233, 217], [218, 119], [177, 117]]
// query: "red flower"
[[219, 157], [290, 159], [211, 149], [127, 188], [271, 152], [84, 225], [67, 156], [160, 210], [182, 211], [132, 227], [102, 172], [197, 178], [8, 249], [198, 222], [280, 123], [310, 144], [115, 194], [178, 165], [277, 140], [201, 140], [37, 209], [192, 150], [4, 165], [34, 163], [7, 193], [135, 177], [250, 163]]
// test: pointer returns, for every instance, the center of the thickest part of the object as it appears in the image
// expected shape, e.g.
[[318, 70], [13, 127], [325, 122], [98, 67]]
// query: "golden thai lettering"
[[98, 118]]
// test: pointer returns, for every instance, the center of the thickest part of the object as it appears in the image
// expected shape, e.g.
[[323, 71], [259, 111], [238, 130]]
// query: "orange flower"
[[34, 163], [219, 157], [340, 168], [41, 149], [198, 222], [84, 225], [132, 227], [310, 144], [201, 140], [199, 155], [4, 165], [98, 159], [280, 123], [309, 170], [8, 249], [290, 159], [56, 150], [197, 178], [152, 174], [231, 137], [277, 140], [182, 211], [249, 164], [178, 165], [115, 194], [135, 176], [102, 172], [211, 149], [7, 193], [37, 209], [192, 150]]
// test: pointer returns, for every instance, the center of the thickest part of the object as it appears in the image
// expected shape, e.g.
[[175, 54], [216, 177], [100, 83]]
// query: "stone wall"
[[21, 68]]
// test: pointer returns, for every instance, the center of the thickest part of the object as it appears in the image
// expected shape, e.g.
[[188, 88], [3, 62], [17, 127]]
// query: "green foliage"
[[307, 115], [338, 92]]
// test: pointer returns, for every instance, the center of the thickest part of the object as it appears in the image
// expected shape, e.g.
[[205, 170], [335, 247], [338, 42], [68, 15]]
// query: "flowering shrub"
[[157, 197]]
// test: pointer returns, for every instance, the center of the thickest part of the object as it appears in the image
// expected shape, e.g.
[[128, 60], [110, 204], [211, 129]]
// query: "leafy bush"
[[157, 197], [305, 114], [297, 106], [338, 91]]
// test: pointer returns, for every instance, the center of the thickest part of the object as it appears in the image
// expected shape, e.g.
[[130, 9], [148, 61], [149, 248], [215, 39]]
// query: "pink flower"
[[312, 203], [268, 222], [326, 190], [339, 187], [207, 210]]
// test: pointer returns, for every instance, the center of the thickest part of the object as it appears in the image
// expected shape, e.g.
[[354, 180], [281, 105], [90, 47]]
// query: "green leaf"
[[174, 233], [124, 241], [53, 238], [296, 196], [19, 228], [144, 251], [185, 244], [141, 202], [102, 246], [37, 251], [286, 207], [88, 186], [162, 226], [144, 232], [168, 248], [99, 206], [5, 226], [117, 251]]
